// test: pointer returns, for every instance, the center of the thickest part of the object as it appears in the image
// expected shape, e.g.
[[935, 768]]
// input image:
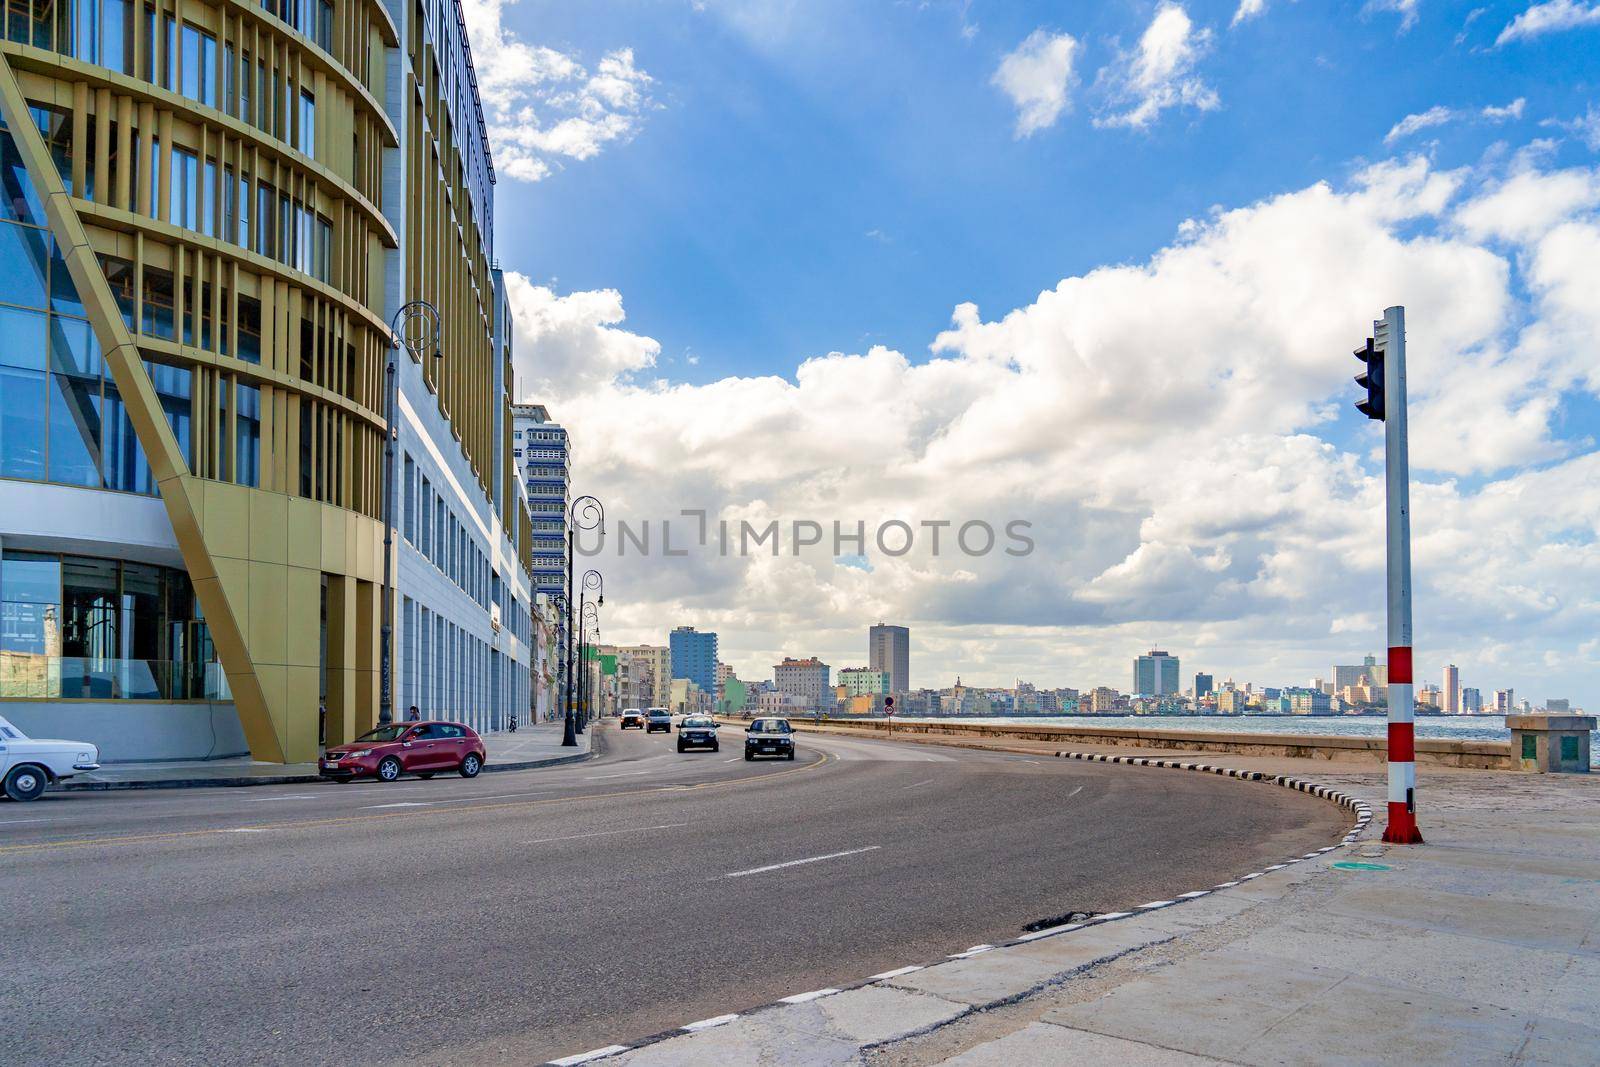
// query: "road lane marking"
[[341, 820], [801, 998], [601, 777], [735, 759], [400, 804], [496, 796], [706, 1024], [19, 822], [292, 796], [242, 830], [896, 973], [1074, 793], [606, 833], [585, 1057], [796, 863], [913, 785]]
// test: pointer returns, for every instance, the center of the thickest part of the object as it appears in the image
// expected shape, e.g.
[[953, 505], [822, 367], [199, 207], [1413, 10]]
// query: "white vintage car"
[[28, 765]]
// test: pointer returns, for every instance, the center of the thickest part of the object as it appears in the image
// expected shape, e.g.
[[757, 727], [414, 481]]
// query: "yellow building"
[[210, 215]]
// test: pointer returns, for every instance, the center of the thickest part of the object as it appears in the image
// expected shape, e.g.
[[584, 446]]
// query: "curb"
[[240, 781], [1362, 812]]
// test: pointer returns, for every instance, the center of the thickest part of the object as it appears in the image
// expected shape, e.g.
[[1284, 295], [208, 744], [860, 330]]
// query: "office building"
[[806, 679], [1306, 701], [889, 650], [694, 656], [1471, 701], [539, 451], [1155, 674], [1204, 685], [193, 343], [861, 681], [1505, 702], [1450, 691]]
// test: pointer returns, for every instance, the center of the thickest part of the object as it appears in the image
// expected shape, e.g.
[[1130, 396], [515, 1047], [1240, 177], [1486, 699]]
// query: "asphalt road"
[[529, 915]]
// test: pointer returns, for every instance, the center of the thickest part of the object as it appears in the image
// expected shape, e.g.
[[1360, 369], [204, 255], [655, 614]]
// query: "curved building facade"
[[209, 212]]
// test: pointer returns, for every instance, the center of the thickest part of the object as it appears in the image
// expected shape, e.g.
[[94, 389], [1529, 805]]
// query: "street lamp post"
[[416, 329], [592, 579], [559, 600], [586, 513]]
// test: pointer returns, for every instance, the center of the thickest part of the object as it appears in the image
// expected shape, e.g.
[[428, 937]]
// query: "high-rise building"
[[889, 650], [1204, 685], [1471, 701], [1450, 691], [694, 656], [539, 450], [804, 678], [193, 341], [1155, 674], [1505, 702]]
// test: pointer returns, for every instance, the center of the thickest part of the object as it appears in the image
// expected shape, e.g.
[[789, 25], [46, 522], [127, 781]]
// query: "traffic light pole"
[[1389, 337]]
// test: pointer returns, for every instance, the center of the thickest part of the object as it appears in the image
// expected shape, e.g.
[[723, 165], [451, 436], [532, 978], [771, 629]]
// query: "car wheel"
[[424, 775], [716, 748], [749, 757], [389, 769], [791, 754], [471, 765], [26, 782], [680, 746]]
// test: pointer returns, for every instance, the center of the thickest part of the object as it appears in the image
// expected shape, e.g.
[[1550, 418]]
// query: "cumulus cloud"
[[1248, 9], [1439, 115], [1406, 9], [1552, 16], [1159, 74], [1038, 77], [1586, 126], [544, 106], [1166, 426]]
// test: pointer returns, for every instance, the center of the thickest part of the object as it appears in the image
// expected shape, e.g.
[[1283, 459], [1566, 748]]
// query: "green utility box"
[[1551, 744]]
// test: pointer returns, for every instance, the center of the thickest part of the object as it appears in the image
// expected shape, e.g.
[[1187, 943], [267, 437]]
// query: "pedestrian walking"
[[413, 715]]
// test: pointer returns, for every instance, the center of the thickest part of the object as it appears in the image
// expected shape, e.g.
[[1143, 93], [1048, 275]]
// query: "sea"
[[1449, 727]]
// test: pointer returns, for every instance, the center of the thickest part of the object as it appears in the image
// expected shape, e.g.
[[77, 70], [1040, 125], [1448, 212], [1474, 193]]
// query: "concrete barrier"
[[1478, 755]]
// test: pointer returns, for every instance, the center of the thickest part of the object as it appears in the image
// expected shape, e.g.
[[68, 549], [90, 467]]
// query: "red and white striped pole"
[[1389, 337]]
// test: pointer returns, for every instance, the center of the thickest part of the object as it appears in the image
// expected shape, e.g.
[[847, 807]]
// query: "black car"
[[658, 719], [769, 737], [697, 731]]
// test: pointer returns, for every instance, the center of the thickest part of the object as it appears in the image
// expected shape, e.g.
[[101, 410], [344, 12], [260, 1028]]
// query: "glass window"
[[23, 262], [172, 385], [247, 434], [249, 329], [208, 199], [183, 210], [74, 413], [63, 293], [103, 33], [23, 338], [30, 598], [18, 198], [125, 467], [22, 425], [199, 65], [307, 141]]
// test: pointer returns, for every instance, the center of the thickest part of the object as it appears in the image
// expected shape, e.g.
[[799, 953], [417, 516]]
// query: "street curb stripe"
[[707, 1024], [585, 1057], [896, 973], [802, 998]]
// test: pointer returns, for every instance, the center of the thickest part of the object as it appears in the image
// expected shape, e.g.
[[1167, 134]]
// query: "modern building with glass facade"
[[1155, 674], [209, 214], [694, 656], [539, 448]]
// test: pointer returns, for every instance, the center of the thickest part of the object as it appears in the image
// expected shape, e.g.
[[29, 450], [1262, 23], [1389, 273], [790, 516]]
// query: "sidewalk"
[[531, 746], [1482, 946]]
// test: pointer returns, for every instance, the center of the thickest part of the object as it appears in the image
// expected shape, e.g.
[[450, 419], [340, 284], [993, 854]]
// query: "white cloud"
[[1439, 115], [1159, 74], [1552, 16], [1586, 126], [1406, 9], [543, 106], [1248, 9], [1038, 77], [1165, 426]]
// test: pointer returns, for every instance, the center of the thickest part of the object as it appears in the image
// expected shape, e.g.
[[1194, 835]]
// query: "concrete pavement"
[[520, 916], [531, 746], [1482, 946]]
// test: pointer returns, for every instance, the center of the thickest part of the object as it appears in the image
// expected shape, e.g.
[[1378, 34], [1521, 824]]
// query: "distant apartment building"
[[1558, 706], [1429, 696], [652, 666], [1102, 700], [1204, 685], [862, 681], [539, 452], [1231, 702], [889, 650], [1307, 701], [1451, 690], [804, 678], [1471, 701], [1505, 702], [694, 656], [1155, 674]]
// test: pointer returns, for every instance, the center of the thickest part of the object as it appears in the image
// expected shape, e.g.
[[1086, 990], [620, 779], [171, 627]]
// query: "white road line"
[[1074, 793], [607, 833], [913, 785], [706, 1024], [292, 796], [585, 1057], [400, 804], [242, 830], [896, 973], [801, 998], [624, 774], [735, 759], [19, 822], [796, 863], [495, 796]]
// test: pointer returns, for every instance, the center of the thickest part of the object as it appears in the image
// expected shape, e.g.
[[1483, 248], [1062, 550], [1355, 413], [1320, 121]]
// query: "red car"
[[420, 748]]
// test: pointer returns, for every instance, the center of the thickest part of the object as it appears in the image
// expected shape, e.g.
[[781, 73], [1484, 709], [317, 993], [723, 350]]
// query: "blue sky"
[[826, 175], [1097, 267]]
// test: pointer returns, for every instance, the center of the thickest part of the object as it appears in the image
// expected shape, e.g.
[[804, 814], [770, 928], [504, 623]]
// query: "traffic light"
[[1371, 380]]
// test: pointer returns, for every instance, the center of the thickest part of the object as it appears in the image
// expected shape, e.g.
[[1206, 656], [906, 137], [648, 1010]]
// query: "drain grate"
[[1058, 920]]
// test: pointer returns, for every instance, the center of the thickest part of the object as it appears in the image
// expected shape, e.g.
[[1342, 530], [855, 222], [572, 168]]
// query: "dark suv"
[[769, 737], [658, 719]]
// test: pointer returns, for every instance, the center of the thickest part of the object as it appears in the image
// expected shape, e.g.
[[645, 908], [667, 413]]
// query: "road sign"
[[888, 705]]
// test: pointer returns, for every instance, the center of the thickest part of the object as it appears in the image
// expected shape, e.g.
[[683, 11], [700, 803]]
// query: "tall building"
[[862, 681], [1155, 674], [804, 678], [889, 650], [1471, 701], [1505, 702], [694, 656], [654, 661], [1204, 685], [539, 450], [1450, 692], [193, 342]]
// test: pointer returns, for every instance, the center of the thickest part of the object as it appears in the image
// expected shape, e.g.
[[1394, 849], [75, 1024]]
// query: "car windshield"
[[657, 713], [698, 724], [772, 726], [11, 733], [384, 733]]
